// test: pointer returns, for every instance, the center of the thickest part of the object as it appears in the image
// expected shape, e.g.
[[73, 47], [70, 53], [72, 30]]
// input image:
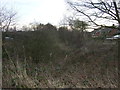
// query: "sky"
[[42, 11]]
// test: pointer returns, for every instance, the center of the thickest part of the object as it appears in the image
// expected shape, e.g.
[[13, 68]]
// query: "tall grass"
[[91, 66]]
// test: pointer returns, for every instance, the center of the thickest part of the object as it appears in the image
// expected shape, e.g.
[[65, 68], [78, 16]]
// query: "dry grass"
[[75, 76], [95, 65]]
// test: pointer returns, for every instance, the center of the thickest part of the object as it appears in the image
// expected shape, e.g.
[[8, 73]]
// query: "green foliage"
[[46, 27], [80, 25]]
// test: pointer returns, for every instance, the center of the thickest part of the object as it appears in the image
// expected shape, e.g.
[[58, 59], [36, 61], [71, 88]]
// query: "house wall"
[[105, 32]]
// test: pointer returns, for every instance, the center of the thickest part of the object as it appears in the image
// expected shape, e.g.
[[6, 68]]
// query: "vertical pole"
[[0, 57]]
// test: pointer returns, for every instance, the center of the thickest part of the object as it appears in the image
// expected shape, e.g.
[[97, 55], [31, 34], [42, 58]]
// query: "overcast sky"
[[42, 11]]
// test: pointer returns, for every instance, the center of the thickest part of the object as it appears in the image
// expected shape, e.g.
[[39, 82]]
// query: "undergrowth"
[[37, 62]]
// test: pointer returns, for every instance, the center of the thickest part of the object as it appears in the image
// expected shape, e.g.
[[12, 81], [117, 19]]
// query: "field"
[[58, 59]]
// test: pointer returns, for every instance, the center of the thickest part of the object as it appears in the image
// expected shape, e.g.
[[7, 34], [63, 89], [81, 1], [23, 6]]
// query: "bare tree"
[[68, 21], [7, 18], [97, 11]]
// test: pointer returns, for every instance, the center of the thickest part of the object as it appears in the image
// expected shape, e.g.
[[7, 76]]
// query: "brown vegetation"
[[91, 66]]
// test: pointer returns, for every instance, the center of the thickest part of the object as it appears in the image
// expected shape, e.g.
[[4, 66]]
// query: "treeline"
[[44, 44]]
